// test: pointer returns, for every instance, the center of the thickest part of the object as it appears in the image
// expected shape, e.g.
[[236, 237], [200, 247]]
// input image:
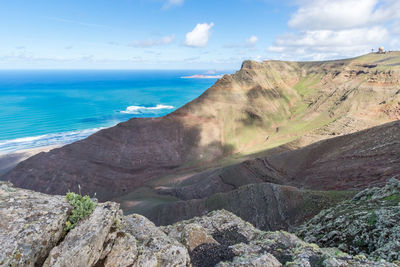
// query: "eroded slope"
[[261, 106]]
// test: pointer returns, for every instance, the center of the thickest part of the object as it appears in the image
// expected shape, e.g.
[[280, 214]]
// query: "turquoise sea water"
[[40, 108]]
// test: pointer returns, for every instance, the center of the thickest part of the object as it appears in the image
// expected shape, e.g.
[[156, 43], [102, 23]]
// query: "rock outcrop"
[[31, 224], [368, 223], [32, 234], [83, 245], [107, 238]]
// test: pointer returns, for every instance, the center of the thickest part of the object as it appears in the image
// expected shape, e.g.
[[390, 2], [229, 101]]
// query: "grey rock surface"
[[154, 246], [253, 260], [191, 235], [32, 230], [369, 223], [83, 245], [31, 224], [241, 244], [124, 252]]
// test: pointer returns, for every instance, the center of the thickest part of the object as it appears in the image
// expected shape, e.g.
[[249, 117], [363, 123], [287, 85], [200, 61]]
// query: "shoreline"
[[10, 160]]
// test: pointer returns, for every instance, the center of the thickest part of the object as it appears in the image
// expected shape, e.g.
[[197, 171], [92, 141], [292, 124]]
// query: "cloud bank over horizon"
[[324, 29]]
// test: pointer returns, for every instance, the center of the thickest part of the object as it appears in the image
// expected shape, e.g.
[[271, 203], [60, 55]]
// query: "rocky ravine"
[[348, 162], [31, 234], [267, 206]]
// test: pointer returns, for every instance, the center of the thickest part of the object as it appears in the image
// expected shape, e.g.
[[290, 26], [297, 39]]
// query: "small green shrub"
[[393, 199], [83, 207], [360, 243], [372, 219]]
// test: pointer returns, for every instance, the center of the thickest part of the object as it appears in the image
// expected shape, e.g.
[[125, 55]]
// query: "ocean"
[[42, 108]]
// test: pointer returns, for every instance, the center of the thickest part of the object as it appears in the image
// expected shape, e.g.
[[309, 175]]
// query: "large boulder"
[[140, 243], [83, 245], [31, 224]]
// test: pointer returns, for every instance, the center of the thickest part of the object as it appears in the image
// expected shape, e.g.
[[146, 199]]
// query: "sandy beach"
[[9, 161]]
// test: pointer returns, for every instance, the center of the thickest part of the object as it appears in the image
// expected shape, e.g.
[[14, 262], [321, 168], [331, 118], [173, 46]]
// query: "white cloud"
[[170, 3], [199, 36], [252, 41], [325, 44], [339, 38], [154, 42], [336, 14], [324, 29]]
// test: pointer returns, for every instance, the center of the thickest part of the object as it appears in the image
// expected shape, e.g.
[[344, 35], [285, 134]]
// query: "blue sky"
[[189, 34]]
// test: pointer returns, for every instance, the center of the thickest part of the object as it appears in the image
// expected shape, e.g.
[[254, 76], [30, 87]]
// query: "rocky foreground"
[[32, 233], [368, 223]]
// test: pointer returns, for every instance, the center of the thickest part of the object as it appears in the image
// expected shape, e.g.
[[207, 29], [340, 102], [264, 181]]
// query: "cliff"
[[266, 190], [32, 233], [262, 106]]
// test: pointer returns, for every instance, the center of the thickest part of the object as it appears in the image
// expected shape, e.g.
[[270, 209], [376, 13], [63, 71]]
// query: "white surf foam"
[[202, 76], [18, 144], [63, 138], [146, 110]]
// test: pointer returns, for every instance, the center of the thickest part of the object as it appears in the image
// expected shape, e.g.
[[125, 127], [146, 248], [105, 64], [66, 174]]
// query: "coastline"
[[10, 160]]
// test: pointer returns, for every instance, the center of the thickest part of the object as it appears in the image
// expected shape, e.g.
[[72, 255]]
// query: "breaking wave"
[[202, 76], [146, 110], [18, 144]]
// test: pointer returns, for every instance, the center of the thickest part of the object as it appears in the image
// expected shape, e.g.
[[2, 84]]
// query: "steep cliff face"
[[349, 162], [260, 107], [32, 235], [267, 206]]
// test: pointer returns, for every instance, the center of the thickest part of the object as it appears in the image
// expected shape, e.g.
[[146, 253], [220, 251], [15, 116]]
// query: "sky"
[[190, 34]]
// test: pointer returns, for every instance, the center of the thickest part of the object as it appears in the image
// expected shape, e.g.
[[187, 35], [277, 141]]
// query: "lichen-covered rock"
[[83, 245], [253, 260], [241, 244], [110, 240], [369, 223], [218, 222], [123, 253], [31, 224], [191, 235], [154, 247]]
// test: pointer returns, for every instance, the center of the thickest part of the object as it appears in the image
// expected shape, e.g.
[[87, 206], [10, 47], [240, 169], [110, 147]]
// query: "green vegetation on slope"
[[83, 207]]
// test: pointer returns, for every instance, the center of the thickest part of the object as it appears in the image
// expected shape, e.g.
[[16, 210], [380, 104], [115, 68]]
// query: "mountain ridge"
[[262, 106]]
